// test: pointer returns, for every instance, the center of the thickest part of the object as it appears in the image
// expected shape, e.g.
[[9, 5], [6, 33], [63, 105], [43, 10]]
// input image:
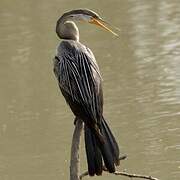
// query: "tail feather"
[[111, 142], [96, 150], [93, 153]]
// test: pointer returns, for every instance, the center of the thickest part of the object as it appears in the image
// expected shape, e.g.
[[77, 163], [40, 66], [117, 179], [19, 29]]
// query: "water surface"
[[141, 72]]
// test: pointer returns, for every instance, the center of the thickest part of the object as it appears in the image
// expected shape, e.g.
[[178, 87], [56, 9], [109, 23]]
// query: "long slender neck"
[[67, 29]]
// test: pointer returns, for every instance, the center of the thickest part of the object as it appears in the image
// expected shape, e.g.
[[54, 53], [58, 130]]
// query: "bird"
[[80, 82]]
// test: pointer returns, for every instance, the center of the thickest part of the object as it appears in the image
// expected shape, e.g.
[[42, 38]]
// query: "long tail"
[[96, 151]]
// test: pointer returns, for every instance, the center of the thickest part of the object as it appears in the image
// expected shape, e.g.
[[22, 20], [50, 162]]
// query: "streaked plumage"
[[80, 82]]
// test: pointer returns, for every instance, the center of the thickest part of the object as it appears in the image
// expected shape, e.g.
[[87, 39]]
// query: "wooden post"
[[75, 160]]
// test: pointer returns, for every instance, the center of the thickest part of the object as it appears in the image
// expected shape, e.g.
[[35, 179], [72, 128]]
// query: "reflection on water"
[[155, 38], [141, 87]]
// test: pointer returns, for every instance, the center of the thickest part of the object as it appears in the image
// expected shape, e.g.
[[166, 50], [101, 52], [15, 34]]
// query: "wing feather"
[[79, 76]]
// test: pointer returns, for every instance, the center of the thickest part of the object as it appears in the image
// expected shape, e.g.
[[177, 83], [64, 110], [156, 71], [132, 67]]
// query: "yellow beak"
[[98, 22]]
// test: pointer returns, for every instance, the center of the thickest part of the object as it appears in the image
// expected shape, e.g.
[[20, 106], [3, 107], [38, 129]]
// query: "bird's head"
[[87, 16]]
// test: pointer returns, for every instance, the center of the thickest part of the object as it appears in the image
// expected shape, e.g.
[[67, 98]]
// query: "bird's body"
[[80, 82]]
